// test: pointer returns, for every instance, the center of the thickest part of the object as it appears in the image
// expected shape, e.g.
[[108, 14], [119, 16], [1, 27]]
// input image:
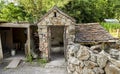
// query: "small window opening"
[[55, 14]]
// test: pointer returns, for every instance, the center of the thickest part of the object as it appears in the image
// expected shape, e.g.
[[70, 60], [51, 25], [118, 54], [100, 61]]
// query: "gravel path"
[[54, 67]]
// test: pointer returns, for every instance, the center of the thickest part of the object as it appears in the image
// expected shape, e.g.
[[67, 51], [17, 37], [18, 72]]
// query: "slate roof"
[[58, 10], [91, 32]]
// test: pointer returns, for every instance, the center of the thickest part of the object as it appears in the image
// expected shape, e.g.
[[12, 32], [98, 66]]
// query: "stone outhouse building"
[[55, 28]]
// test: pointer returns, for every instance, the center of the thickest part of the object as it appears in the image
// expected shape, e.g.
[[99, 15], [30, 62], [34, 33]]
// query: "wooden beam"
[[28, 38], [1, 52], [15, 25]]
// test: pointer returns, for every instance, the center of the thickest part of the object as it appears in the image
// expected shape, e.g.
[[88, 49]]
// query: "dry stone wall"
[[88, 60]]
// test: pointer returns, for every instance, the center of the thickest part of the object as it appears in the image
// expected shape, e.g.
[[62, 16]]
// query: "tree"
[[36, 8], [1, 6], [82, 10], [90, 10], [117, 9], [12, 13]]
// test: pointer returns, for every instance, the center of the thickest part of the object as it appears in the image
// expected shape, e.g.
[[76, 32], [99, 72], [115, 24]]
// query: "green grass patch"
[[112, 28], [42, 61], [29, 59]]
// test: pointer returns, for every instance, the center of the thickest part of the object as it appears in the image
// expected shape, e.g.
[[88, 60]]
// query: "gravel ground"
[[54, 67]]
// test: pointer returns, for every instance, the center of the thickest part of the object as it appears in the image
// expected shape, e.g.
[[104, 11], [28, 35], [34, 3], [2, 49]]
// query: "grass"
[[29, 59], [42, 61], [112, 28]]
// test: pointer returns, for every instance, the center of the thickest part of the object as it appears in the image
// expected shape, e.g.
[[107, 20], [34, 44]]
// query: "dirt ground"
[[57, 66]]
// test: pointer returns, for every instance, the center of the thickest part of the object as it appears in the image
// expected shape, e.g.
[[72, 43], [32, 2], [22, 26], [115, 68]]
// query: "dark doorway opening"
[[56, 42], [19, 40], [13, 39]]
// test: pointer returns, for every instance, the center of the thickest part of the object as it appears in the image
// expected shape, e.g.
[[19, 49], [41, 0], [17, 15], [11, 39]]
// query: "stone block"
[[83, 53], [112, 69]]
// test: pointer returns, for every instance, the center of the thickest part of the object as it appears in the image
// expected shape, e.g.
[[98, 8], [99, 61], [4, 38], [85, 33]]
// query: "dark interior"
[[13, 39], [57, 42], [57, 36], [19, 40]]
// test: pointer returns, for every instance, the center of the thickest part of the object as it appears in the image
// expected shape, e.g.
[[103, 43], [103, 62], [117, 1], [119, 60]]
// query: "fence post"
[[118, 32]]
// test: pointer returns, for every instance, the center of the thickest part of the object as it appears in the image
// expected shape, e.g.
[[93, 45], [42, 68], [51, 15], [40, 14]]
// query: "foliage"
[[110, 26], [12, 13], [90, 10], [42, 61], [36, 8], [82, 10], [29, 58], [117, 12]]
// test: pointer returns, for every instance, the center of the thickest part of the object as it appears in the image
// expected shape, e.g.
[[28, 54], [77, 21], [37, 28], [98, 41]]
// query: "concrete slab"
[[14, 63]]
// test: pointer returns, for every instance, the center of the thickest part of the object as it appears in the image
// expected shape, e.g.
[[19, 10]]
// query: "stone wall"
[[43, 41], [92, 60]]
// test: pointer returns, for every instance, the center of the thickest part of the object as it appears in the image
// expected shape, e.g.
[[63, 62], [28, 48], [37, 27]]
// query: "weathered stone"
[[112, 69], [78, 69], [70, 41], [93, 57], [87, 71], [96, 47], [115, 62], [83, 53], [44, 30], [114, 53], [114, 45], [71, 29], [81, 64], [98, 70], [89, 64], [77, 45], [119, 55], [70, 68], [102, 59], [73, 50], [75, 72], [73, 60]]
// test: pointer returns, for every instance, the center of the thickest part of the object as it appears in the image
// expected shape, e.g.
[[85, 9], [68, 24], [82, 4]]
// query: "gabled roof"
[[92, 32], [58, 10]]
